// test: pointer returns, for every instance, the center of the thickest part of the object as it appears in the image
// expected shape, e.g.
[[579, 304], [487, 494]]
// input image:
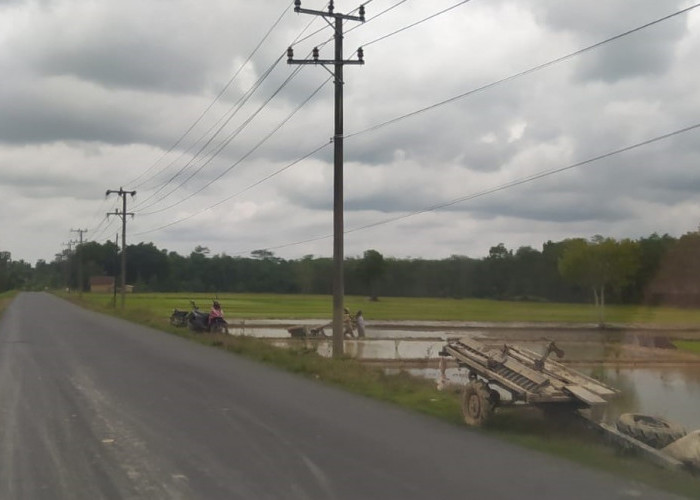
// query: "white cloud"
[[95, 94]]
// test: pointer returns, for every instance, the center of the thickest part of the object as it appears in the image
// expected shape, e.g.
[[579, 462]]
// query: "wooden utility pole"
[[121, 192], [80, 259], [338, 230]]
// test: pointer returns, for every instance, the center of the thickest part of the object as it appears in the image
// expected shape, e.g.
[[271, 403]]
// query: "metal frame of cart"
[[531, 379]]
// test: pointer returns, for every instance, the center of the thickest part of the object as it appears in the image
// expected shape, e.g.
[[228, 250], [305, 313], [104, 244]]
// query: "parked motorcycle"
[[198, 321], [179, 318]]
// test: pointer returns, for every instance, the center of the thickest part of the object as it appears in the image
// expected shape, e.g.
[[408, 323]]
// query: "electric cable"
[[237, 107], [260, 143], [522, 73], [221, 147], [277, 172], [192, 175], [216, 99], [511, 77], [531, 70], [502, 187]]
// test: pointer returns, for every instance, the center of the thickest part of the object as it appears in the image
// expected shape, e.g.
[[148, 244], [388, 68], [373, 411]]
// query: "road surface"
[[93, 407]]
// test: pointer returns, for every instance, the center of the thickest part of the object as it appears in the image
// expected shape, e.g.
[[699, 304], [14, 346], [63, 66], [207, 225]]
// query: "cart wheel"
[[477, 403]]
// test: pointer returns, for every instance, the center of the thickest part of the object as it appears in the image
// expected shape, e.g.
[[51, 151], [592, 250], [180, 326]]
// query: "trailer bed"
[[527, 376]]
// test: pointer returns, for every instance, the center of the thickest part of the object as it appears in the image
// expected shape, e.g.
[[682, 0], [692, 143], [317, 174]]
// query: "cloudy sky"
[[449, 124]]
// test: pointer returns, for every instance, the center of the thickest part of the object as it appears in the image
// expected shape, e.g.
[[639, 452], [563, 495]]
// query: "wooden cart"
[[529, 378]]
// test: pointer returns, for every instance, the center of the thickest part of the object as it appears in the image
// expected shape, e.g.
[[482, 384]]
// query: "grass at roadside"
[[688, 345], [5, 299], [566, 439], [275, 306]]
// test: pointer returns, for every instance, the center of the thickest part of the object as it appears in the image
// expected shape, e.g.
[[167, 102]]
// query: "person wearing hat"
[[216, 312], [347, 323]]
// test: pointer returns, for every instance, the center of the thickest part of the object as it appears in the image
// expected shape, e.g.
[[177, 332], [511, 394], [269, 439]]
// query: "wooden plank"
[[569, 377], [584, 395]]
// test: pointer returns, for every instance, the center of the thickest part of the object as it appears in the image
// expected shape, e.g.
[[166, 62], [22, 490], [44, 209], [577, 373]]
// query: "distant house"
[[102, 284]]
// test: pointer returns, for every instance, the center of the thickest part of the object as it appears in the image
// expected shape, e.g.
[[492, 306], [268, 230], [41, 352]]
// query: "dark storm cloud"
[[31, 118], [637, 55], [126, 79]]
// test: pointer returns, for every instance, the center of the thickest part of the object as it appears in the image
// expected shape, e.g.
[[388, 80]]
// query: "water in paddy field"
[[652, 380], [669, 392]]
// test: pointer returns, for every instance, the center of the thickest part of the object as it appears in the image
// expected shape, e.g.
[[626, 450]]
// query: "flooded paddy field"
[[654, 377]]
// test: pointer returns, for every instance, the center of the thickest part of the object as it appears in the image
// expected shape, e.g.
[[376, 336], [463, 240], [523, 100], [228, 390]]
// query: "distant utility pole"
[[338, 63], [116, 263], [80, 259], [123, 215], [67, 265]]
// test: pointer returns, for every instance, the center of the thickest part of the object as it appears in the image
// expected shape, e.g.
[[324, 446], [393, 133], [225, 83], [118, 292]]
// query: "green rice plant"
[[279, 306], [688, 345]]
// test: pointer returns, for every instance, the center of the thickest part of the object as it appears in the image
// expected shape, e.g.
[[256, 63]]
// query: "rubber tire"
[[477, 403], [656, 432]]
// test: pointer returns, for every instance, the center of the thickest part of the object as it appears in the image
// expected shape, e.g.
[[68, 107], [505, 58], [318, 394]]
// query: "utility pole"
[[80, 259], [123, 215], [338, 230], [116, 263], [67, 269]]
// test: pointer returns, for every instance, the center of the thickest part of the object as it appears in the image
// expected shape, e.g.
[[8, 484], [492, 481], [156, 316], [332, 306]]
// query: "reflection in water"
[[672, 393], [669, 392]]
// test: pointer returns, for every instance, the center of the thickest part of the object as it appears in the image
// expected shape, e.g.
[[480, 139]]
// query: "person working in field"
[[360, 324], [347, 324]]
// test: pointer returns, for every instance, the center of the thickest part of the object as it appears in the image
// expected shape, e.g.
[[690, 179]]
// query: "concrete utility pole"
[[338, 63], [80, 259], [123, 215]]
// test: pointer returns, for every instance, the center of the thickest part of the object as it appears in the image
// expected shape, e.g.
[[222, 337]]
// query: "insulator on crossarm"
[[290, 53], [360, 54], [315, 53], [331, 7], [297, 5], [362, 13]]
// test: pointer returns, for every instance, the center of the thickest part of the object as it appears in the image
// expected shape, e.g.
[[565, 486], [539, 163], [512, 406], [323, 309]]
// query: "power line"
[[237, 107], [466, 94], [394, 120], [502, 187], [216, 99], [260, 143], [413, 24], [522, 73], [238, 131], [299, 160], [227, 142], [530, 178]]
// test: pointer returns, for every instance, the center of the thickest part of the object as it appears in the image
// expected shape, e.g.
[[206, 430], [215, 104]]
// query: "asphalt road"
[[92, 407]]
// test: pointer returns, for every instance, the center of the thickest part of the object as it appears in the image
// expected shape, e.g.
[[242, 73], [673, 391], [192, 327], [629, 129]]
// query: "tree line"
[[656, 269]]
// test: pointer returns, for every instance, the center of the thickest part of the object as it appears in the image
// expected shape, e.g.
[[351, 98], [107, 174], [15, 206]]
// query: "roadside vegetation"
[[296, 306], [688, 345], [5, 299], [566, 438]]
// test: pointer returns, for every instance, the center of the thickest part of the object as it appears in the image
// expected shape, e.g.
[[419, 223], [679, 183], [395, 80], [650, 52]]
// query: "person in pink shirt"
[[215, 312]]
